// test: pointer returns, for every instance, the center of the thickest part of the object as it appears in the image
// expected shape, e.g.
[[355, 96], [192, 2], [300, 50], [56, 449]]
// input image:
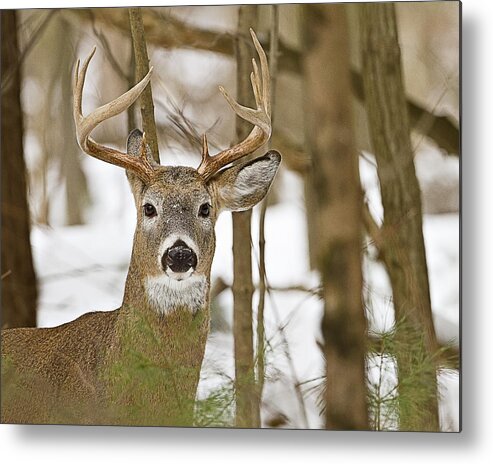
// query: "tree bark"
[[141, 69], [337, 200], [247, 404], [54, 65], [66, 148], [403, 246], [19, 292]]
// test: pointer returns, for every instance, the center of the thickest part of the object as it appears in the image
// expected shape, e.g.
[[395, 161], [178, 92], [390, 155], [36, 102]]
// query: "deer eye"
[[205, 210], [149, 210]]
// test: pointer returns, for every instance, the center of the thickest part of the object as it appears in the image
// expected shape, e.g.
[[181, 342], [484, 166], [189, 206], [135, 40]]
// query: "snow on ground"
[[83, 269]]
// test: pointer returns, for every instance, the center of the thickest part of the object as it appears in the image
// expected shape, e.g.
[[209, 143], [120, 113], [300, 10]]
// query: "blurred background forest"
[[355, 309]]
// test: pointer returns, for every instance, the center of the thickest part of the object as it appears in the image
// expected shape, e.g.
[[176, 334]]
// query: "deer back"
[[49, 375]]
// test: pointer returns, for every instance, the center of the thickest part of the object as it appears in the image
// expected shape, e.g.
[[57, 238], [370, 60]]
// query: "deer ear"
[[239, 188], [134, 141], [134, 144]]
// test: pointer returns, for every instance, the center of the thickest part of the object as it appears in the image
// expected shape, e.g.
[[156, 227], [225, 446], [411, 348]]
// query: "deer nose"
[[179, 257]]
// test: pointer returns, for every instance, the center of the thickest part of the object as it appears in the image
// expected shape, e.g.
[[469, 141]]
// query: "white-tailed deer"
[[140, 364]]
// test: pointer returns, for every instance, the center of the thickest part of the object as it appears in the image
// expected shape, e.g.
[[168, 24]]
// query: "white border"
[[53, 444]]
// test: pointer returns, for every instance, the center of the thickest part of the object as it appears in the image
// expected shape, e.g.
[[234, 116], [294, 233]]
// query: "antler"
[[140, 165], [259, 117]]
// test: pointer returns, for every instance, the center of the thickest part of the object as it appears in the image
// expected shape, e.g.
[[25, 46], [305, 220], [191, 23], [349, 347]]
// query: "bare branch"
[[8, 76], [164, 31]]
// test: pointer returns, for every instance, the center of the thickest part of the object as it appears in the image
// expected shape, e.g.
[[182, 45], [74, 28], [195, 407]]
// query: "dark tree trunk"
[[337, 202], [247, 404], [18, 279], [403, 246]]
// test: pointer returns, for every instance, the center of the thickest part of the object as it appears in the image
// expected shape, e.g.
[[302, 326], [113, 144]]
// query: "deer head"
[[177, 206]]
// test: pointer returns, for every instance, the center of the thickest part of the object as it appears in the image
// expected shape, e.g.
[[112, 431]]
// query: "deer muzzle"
[[179, 258]]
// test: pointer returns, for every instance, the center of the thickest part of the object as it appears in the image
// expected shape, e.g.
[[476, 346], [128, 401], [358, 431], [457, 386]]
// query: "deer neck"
[[160, 347], [162, 294]]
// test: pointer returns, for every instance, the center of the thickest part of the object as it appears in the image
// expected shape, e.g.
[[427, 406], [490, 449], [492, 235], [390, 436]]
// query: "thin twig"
[[82, 271], [8, 74], [109, 53], [287, 353], [274, 45], [315, 291], [128, 77], [6, 274], [424, 124]]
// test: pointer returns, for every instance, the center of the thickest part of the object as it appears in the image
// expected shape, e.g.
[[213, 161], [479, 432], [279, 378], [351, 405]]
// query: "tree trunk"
[[247, 404], [404, 251], [52, 63], [18, 279], [76, 190], [337, 200], [141, 69]]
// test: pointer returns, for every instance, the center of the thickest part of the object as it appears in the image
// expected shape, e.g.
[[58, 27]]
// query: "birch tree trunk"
[[337, 201], [403, 250], [247, 404], [18, 278]]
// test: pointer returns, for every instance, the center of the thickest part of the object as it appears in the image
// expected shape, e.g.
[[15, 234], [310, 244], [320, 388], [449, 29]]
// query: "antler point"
[[84, 125], [92, 53], [205, 147]]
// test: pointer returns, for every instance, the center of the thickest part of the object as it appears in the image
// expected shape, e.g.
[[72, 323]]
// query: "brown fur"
[[133, 365], [45, 369]]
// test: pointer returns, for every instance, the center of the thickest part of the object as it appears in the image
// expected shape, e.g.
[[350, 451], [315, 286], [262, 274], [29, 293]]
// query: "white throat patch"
[[167, 294]]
